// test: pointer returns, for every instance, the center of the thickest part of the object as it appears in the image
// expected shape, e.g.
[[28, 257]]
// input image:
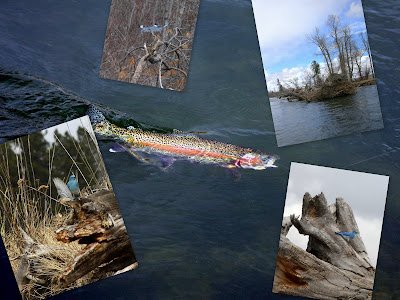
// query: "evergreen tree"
[[32, 152], [279, 85], [32, 158], [316, 70]]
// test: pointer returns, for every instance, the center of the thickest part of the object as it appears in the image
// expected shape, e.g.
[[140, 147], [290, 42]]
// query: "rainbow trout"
[[179, 146]]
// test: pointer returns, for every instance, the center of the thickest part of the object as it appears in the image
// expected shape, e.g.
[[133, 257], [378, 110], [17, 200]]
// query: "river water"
[[298, 122], [196, 232]]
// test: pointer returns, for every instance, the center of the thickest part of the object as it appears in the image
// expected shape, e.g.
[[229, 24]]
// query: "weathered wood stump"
[[99, 224], [96, 222], [331, 267]]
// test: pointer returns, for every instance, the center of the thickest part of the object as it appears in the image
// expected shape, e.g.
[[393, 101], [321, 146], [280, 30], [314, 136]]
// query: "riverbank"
[[332, 88], [365, 82]]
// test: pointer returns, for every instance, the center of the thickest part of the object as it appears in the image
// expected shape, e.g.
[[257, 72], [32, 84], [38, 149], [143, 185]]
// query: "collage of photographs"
[[187, 149]]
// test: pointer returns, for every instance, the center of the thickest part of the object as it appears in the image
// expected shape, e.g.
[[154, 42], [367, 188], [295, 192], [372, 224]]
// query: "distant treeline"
[[45, 160]]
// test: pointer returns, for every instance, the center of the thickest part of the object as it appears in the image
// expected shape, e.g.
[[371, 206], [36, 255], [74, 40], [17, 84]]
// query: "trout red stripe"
[[182, 146], [187, 151]]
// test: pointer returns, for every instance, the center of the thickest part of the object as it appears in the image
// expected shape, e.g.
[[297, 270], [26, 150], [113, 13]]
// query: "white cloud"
[[286, 76], [283, 25], [355, 10], [357, 27], [293, 205], [287, 20], [370, 232], [298, 239]]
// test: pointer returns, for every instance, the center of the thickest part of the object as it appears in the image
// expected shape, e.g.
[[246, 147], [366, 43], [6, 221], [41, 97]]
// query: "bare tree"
[[357, 58], [158, 57], [364, 40], [295, 82], [333, 23], [308, 79], [320, 41], [349, 45], [367, 71]]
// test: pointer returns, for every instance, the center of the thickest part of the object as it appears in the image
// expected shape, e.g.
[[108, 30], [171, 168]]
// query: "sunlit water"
[[196, 232], [298, 122]]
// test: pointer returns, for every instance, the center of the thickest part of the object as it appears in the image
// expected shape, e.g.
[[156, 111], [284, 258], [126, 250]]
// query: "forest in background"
[[159, 58], [63, 156]]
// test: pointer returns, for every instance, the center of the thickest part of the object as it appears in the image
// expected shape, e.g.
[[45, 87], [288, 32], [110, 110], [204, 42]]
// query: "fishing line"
[[361, 161], [283, 167], [376, 156]]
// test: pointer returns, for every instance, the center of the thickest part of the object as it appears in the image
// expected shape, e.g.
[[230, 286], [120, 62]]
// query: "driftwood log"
[[96, 222], [334, 86], [331, 267], [99, 224]]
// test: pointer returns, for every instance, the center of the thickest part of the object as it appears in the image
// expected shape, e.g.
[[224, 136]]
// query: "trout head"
[[256, 161]]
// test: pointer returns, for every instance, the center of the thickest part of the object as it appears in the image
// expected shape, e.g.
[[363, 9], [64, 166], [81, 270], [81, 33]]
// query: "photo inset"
[[150, 42], [59, 218], [330, 233], [318, 69]]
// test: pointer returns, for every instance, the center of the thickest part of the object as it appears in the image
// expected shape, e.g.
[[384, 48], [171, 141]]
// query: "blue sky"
[[282, 27]]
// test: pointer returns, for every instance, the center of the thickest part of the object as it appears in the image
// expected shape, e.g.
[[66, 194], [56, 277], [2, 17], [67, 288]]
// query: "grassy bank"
[[28, 205]]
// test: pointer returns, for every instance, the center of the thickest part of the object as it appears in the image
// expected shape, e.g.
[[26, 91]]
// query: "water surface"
[[298, 121], [196, 232]]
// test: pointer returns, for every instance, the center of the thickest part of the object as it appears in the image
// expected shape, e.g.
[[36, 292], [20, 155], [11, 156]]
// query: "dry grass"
[[31, 207]]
